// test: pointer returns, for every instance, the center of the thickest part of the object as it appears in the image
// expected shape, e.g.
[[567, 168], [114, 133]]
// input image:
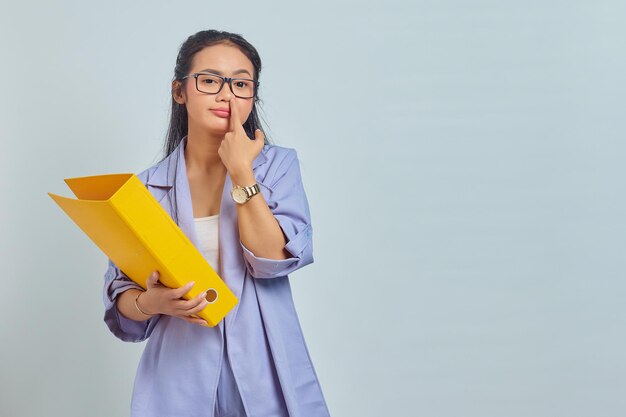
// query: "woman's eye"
[[240, 84], [208, 81]]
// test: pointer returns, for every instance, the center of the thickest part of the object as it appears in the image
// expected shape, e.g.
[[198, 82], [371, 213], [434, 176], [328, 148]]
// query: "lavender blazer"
[[178, 370]]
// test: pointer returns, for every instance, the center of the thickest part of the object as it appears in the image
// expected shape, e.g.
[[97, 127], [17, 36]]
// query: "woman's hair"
[[178, 128]]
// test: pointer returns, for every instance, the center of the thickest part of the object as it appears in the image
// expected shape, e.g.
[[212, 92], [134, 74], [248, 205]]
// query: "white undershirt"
[[208, 238]]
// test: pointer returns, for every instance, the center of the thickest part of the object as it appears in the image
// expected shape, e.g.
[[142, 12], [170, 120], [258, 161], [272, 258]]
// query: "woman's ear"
[[177, 92]]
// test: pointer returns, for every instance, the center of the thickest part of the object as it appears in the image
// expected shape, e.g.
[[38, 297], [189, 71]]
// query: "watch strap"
[[252, 189]]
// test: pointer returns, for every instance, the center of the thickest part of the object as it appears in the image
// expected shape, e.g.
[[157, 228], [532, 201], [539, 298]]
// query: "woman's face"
[[224, 60]]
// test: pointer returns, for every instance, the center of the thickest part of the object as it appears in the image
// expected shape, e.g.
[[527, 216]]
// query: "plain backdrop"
[[464, 165]]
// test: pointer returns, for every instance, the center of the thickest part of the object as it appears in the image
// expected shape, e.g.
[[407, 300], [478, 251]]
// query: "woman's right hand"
[[159, 299]]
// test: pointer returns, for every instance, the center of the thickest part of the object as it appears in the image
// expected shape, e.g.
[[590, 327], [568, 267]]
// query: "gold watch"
[[243, 194]]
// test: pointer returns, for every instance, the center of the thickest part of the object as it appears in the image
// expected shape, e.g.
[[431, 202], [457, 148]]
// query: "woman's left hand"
[[237, 151]]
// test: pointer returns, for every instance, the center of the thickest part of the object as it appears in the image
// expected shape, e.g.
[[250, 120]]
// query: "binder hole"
[[211, 295]]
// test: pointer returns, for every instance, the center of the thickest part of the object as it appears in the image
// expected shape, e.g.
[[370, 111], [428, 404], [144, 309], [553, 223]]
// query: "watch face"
[[239, 195]]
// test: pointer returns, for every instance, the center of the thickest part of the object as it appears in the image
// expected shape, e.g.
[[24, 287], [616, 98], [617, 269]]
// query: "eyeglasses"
[[212, 84]]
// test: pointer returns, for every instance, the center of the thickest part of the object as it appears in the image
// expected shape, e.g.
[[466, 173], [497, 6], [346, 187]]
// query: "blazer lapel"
[[173, 170]]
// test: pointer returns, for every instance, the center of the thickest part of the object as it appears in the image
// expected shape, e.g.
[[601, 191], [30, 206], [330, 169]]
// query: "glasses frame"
[[225, 80]]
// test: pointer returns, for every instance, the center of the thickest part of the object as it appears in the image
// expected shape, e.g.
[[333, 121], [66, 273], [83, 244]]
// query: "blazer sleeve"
[[289, 204], [128, 330]]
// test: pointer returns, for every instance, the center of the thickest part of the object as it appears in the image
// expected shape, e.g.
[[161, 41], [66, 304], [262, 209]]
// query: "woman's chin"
[[217, 130], [218, 126]]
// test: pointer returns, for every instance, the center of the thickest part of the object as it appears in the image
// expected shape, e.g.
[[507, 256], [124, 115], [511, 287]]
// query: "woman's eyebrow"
[[239, 71]]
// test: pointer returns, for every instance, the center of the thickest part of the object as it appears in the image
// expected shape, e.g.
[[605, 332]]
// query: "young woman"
[[241, 202]]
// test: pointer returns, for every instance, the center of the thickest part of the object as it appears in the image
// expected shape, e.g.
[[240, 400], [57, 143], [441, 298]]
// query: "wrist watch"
[[243, 194]]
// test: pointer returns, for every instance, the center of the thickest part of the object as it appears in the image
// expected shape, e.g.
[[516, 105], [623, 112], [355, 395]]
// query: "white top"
[[208, 238]]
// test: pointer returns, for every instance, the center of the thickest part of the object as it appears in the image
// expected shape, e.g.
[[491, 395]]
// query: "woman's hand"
[[159, 299], [237, 151]]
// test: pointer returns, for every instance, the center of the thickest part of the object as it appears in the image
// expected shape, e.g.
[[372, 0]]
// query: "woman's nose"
[[225, 93]]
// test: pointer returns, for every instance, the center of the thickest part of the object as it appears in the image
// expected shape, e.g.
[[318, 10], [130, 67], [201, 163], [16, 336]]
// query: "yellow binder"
[[128, 224]]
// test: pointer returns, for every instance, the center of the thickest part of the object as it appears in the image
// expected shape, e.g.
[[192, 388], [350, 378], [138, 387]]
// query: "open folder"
[[128, 224]]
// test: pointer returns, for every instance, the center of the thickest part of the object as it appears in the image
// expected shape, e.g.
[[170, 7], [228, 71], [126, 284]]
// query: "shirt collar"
[[163, 175]]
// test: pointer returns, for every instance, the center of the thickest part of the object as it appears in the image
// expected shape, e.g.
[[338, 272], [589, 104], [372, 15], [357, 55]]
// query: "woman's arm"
[[287, 204], [275, 235], [126, 305], [116, 287], [259, 230]]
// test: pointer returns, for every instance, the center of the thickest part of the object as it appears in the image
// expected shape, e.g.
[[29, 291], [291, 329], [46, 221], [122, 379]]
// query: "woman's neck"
[[201, 154]]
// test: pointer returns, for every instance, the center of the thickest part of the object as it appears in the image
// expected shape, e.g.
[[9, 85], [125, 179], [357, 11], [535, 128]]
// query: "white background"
[[464, 164]]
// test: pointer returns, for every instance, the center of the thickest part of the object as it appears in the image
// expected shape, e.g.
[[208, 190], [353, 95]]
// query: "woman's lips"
[[221, 113]]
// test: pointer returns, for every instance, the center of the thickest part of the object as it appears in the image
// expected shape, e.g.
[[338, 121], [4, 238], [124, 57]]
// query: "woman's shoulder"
[[146, 174], [278, 160], [279, 153]]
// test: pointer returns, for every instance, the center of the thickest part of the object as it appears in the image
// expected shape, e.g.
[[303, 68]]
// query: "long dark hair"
[[178, 128]]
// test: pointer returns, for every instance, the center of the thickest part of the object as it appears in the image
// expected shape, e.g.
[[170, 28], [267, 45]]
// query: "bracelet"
[[137, 305]]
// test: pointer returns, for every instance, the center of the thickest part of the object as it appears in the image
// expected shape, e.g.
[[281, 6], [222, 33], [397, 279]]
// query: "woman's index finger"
[[180, 291], [234, 116]]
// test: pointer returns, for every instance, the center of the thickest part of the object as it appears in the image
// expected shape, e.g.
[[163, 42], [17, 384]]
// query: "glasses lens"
[[243, 88], [209, 83]]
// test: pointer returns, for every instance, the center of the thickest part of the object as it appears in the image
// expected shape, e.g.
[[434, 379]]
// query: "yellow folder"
[[128, 224]]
